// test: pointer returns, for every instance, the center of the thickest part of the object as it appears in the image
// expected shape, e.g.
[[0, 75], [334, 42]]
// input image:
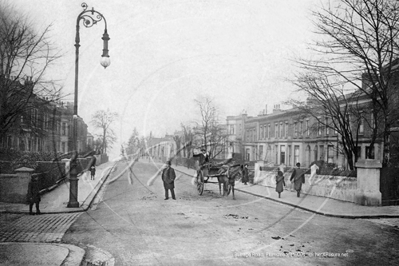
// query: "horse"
[[227, 175]]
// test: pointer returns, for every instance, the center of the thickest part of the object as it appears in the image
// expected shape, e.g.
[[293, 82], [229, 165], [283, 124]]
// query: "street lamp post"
[[89, 18]]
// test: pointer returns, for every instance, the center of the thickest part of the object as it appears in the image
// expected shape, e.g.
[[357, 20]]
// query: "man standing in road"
[[168, 178], [298, 176]]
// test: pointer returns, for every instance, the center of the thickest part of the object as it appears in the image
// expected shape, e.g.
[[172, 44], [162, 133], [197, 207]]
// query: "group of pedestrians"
[[297, 178], [168, 175]]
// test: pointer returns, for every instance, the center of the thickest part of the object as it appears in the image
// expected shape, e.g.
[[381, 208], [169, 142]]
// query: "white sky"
[[165, 53]]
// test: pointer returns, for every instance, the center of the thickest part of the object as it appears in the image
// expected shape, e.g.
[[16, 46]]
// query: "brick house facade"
[[45, 126], [289, 137]]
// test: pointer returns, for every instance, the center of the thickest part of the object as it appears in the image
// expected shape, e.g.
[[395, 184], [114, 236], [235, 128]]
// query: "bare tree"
[[103, 120], [333, 109], [134, 142], [210, 133], [25, 55], [177, 140], [358, 46], [188, 138]]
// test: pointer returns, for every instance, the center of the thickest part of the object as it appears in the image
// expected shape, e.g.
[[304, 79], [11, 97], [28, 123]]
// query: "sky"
[[167, 53]]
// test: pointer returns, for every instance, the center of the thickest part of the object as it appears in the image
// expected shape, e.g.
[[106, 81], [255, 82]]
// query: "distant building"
[[161, 148], [90, 141], [45, 126], [289, 137]]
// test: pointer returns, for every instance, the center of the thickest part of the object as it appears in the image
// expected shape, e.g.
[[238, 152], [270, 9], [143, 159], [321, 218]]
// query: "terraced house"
[[45, 126], [291, 136]]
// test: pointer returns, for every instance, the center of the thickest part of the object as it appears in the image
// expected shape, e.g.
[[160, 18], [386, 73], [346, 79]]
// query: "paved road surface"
[[138, 227]]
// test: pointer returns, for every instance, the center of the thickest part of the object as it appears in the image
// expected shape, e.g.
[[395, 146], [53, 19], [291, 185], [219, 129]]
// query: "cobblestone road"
[[48, 228]]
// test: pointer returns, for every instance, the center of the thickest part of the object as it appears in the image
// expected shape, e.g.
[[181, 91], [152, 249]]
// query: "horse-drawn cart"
[[226, 173]]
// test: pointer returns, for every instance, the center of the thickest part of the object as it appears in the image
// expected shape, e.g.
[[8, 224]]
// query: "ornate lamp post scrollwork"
[[89, 18]]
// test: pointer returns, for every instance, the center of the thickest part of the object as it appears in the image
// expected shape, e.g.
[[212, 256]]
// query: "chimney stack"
[[276, 108]]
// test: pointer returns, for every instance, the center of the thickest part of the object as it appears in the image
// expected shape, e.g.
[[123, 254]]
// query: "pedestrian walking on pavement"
[[168, 178], [245, 178], [298, 178], [280, 183], [92, 166], [33, 196], [93, 172]]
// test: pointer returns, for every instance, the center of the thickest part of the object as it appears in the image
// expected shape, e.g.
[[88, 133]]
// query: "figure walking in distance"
[[92, 166], [245, 178], [280, 183], [33, 196], [298, 177], [168, 178]]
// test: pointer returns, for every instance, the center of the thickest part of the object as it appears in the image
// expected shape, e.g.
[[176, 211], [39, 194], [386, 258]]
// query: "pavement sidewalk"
[[319, 205], [54, 201], [32, 254]]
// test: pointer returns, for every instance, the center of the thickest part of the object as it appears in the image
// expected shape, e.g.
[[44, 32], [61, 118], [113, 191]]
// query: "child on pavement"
[[92, 172], [280, 183]]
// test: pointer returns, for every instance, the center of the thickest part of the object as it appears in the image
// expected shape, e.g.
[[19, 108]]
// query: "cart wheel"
[[200, 183]]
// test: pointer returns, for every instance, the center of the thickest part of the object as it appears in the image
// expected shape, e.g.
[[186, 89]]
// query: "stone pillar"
[[368, 182], [257, 167], [24, 172], [20, 188], [67, 167]]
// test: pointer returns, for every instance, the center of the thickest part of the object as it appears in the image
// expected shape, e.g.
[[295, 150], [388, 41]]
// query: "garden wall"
[[14, 187], [50, 173], [336, 187]]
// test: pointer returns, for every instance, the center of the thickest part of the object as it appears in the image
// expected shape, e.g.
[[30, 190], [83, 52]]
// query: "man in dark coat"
[[168, 178], [33, 196], [245, 173], [298, 176]]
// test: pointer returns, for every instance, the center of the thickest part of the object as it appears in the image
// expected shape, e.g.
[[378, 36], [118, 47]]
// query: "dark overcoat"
[[280, 183], [298, 177], [33, 195], [168, 178], [245, 177], [93, 170]]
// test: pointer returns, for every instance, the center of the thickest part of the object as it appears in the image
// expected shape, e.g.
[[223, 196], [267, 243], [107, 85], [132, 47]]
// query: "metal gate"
[[389, 186]]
